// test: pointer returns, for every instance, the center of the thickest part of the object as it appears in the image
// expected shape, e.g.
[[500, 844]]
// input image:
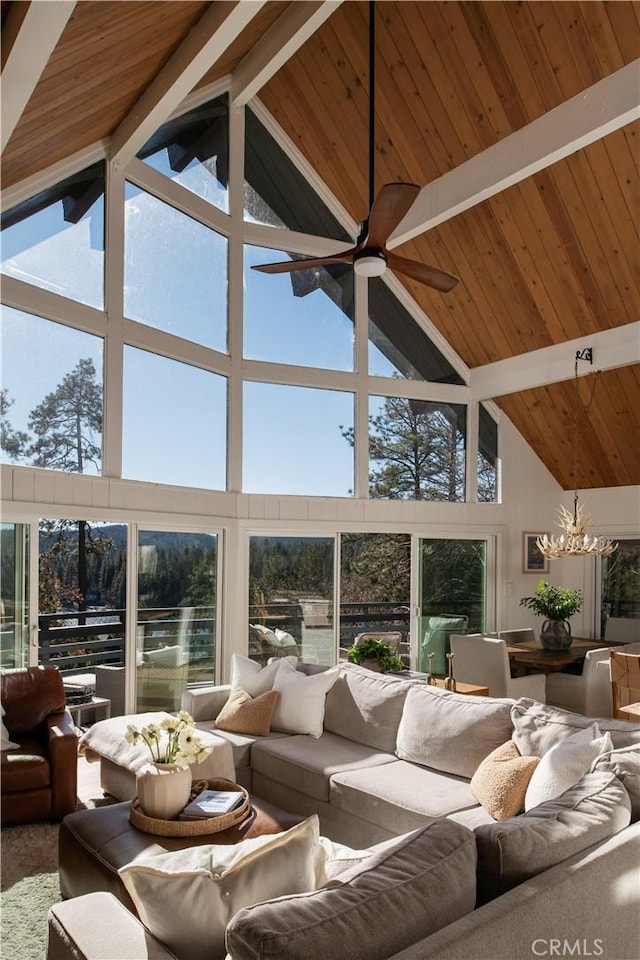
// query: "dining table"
[[530, 655]]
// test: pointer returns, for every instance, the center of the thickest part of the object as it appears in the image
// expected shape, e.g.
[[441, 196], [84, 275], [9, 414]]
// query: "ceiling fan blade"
[[389, 207], [432, 276], [287, 266]]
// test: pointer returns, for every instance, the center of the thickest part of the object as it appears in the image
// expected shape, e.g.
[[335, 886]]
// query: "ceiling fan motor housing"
[[370, 263]]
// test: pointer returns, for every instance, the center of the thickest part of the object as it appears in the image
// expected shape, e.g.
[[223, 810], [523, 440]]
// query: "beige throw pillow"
[[500, 782], [243, 713], [187, 897]]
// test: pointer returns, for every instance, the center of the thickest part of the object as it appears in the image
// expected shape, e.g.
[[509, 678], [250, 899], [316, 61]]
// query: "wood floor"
[[89, 790]]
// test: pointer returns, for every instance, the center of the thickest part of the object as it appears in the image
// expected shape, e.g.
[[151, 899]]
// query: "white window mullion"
[[361, 453], [236, 302], [471, 453], [114, 301]]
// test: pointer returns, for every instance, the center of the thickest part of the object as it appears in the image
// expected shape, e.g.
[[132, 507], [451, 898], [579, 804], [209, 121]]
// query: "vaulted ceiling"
[[518, 119]]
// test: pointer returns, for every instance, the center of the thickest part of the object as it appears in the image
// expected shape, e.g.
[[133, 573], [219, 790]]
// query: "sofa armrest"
[[593, 898], [205, 703], [98, 927], [63, 753]]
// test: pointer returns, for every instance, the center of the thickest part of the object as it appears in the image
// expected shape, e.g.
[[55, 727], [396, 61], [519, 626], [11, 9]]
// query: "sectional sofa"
[[394, 771]]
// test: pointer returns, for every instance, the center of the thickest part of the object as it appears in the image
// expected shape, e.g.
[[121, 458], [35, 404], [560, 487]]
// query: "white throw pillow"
[[7, 744], [187, 897], [284, 639], [266, 634], [248, 675], [562, 767], [334, 858], [302, 700]]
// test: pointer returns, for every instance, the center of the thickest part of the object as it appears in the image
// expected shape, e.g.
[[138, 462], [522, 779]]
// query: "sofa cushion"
[[243, 713], [241, 743], [514, 850], [26, 768], [187, 897], [538, 726], [500, 782], [305, 764], [248, 675], [365, 706], [563, 765], [301, 706], [449, 731], [400, 796], [411, 887], [625, 764]]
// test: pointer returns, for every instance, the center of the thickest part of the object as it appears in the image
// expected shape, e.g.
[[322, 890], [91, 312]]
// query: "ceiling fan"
[[370, 256]]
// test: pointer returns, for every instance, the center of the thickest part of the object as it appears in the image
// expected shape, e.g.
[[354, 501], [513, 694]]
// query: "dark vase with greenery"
[[557, 604]]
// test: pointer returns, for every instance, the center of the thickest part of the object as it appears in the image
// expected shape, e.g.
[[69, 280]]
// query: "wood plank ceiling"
[[551, 259]]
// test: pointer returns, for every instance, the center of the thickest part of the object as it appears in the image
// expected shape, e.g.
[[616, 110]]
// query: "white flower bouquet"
[[173, 740]]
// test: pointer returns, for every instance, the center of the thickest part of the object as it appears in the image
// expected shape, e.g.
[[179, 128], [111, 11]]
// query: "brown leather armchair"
[[39, 776]]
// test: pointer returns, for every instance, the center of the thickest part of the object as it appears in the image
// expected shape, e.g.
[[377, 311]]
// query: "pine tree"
[[12, 442]]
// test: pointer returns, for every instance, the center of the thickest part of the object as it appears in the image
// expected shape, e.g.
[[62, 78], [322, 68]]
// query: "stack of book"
[[212, 803]]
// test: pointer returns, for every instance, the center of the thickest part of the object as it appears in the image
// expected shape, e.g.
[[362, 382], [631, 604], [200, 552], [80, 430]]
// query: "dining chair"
[[484, 660], [589, 692], [625, 685], [518, 636]]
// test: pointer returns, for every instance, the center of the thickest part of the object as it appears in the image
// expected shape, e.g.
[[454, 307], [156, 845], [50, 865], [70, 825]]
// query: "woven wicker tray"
[[193, 828]]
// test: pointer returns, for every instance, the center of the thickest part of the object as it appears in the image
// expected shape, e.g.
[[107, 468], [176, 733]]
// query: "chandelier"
[[575, 541]]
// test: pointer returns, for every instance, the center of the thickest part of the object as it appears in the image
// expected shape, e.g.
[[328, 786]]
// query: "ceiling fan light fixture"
[[370, 264]]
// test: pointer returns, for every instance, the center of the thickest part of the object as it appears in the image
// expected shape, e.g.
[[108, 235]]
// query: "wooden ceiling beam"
[[279, 44], [589, 116], [29, 37], [216, 30], [618, 347]]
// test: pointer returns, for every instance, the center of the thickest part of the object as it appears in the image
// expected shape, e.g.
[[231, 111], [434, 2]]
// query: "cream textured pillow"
[[565, 764], [500, 782], [243, 713], [187, 897], [248, 675], [302, 700]]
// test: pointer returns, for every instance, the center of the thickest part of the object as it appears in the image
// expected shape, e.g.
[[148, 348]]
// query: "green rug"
[[29, 885]]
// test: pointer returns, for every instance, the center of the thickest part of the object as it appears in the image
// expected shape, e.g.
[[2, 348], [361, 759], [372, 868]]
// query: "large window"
[[304, 318], [294, 441], [291, 598], [416, 449], [51, 398], [620, 577], [175, 422], [175, 271], [55, 240]]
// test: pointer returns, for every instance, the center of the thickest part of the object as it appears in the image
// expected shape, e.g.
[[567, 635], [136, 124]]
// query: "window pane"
[[452, 596], [276, 193], [193, 150], [416, 449], [176, 632], [621, 590], [398, 347], [55, 240], [304, 317], [375, 585], [175, 271], [175, 422], [291, 592], [51, 398], [82, 571], [294, 441], [487, 457], [14, 595]]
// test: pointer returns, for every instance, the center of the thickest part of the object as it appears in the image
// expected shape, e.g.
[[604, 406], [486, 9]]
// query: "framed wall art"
[[532, 560]]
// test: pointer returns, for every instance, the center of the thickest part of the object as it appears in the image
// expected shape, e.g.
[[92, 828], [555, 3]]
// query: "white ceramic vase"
[[163, 789]]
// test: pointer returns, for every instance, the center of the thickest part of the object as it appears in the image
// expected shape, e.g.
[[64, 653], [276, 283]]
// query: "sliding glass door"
[[177, 616], [14, 595], [452, 596]]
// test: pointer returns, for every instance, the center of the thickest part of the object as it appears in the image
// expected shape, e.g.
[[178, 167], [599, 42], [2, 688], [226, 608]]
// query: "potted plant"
[[557, 604], [376, 654]]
